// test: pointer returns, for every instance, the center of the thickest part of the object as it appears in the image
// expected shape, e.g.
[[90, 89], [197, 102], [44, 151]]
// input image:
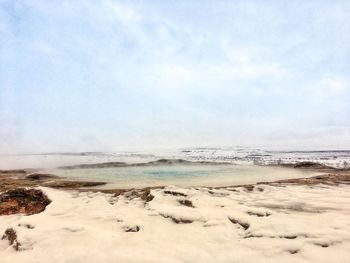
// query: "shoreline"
[[11, 179]]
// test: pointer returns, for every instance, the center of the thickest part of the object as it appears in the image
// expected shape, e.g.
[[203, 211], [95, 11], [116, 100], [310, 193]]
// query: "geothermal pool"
[[181, 175]]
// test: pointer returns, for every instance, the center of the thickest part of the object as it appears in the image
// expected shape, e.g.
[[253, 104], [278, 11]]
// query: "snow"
[[236, 155], [283, 224]]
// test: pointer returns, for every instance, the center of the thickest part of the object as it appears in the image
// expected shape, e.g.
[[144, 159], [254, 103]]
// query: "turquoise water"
[[181, 175]]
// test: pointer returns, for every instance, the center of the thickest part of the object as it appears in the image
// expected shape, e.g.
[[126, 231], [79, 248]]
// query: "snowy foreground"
[[269, 224]]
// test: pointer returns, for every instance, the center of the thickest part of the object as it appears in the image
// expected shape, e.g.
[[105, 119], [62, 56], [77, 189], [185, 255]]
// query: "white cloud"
[[330, 87], [337, 86], [222, 68]]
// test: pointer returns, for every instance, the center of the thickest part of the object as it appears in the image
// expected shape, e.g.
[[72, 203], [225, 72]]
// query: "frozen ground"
[[337, 159], [268, 224]]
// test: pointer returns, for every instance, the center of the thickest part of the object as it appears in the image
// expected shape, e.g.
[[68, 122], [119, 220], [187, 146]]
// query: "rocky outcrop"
[[13, 179], [23, 201], [311, 165], [40, 177], [160, 162], [186, 202], [308, 165], [13, 172], [72, 184], [96, 165], [329, 179], [169, 192]]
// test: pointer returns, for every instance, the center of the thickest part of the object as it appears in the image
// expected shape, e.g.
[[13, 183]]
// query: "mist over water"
[[235, 154], [181, 175], [243, 165]]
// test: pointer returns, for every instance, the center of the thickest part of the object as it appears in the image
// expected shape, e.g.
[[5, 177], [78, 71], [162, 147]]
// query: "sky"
[[125, 75]]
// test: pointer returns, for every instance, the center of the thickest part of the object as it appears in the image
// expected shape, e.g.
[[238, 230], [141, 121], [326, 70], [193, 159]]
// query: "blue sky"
[[116, 75]]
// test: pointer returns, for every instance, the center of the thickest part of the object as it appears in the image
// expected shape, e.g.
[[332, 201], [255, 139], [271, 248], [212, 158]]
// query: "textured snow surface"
[[268, 224]]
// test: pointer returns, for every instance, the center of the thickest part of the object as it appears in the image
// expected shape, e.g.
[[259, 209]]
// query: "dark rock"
[[20, 200], [29, 226], [186, 202], [310, 165], [38, 176], [146, 195], [322, 244], [11, 235], [131, 228], [165, 162], [217, 194], [96, 165], [178, 220], [72, 184], [258, 214], [168, 192], [242, 224], [289, 237], [13, 171], [160, 162], [181, 220], [249, 187]]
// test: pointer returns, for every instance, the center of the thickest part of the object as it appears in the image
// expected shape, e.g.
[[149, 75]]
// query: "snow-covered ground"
[[268, 224], [337, 159]]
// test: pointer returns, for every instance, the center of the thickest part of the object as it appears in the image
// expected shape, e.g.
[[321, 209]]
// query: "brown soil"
[[12, 179], [329, 179], [307, 165], [330, 176], [71, 184], [41, 177], [23, 201]]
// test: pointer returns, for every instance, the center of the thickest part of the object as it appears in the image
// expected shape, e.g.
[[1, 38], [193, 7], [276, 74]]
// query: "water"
[[181, 175]]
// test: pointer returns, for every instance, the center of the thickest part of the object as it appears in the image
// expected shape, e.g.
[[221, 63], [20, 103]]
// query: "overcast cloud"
[[116, 75]]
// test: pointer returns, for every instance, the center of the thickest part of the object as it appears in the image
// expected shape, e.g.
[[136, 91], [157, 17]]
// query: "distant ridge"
[[160, 162]]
